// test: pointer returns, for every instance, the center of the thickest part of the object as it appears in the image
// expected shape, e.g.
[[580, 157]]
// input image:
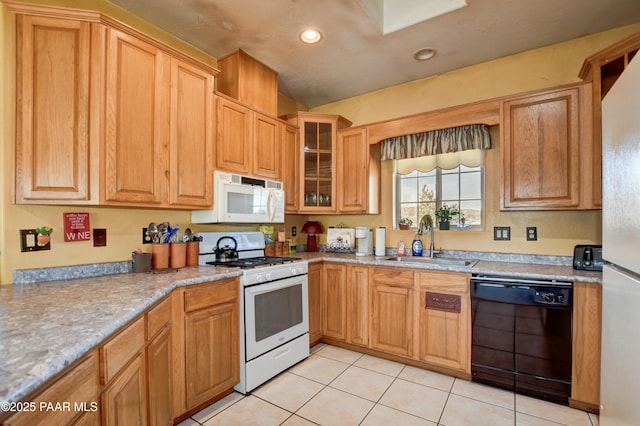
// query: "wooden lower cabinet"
[[78, 386], [444, 321], [206, 346], [585, 363], [392, 311], [124, 402], [212, 362], [358, 305], [345, 303], [315, 303], [334, 302], [160, 383]]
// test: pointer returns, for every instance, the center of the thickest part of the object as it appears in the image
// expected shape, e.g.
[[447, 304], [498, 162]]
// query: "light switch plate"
[[29, 241], [502, 233]]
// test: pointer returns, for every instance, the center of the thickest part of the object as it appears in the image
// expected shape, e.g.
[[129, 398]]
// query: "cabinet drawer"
[[158, 317], [211, 294], [119, 350], [445, 282], [395, 277], [78, 386]]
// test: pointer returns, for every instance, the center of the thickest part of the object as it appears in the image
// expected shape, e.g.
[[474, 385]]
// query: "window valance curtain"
[[453, 139]]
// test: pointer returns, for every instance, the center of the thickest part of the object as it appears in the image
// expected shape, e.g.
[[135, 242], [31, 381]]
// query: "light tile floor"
[[335, 386]]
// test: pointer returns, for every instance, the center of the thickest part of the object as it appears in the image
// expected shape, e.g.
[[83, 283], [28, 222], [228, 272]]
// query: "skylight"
[[394, 15]]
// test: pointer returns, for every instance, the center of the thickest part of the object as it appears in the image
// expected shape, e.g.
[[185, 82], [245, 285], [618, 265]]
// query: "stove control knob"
[[294, 271], [268, 277], [260, 278], [549, 298]]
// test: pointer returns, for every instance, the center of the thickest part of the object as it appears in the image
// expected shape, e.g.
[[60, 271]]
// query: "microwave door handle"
[[271, 208]]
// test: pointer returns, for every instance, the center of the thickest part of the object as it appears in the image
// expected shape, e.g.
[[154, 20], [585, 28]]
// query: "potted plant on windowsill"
[[444, 214], [405, 223]]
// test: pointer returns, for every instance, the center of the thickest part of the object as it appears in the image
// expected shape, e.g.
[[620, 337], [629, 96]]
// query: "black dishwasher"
[[521, 335]]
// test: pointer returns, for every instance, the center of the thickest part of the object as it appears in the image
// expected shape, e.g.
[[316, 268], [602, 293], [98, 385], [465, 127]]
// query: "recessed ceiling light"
[[424, 53], [310, 36]]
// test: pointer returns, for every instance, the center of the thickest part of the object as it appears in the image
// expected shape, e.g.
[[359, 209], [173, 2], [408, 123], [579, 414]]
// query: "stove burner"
[[254, 262]]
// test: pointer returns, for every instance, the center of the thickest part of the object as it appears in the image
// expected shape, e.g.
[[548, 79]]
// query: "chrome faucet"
[[426, 224]]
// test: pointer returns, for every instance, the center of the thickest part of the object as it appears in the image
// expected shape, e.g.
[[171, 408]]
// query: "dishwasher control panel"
[[549, 298]]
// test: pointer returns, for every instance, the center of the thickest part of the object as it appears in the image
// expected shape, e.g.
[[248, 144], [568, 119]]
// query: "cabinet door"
[[234, 136], [160, 383], [211, 352], [315, 303], [52, 110], [587, 336], [357, 290], [352, 157], [392, 316], [444, 324], [290, 168], [540, 150], [191, 143], [124, 403], [334, 304], [137, 121], [318, 164], [266, 147]]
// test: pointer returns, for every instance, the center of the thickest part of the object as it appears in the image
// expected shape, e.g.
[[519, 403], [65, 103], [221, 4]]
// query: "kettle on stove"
[[227, 253]]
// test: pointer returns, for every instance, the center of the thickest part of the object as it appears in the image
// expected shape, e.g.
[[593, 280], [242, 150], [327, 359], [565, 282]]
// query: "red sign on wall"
[[77, 227]]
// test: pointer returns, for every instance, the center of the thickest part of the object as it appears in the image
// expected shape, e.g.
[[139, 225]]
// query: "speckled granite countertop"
[[517, 266], [46, 326]]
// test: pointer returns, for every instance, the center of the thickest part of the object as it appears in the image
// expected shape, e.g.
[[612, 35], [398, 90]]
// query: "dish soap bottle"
[[416, 246], [401, 249]]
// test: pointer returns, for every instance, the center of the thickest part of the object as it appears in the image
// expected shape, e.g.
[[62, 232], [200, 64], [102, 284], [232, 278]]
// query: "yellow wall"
[[558, 232]]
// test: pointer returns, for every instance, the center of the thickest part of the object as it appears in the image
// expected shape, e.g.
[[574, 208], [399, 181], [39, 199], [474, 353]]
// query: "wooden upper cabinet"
[[137, 120], [53, 146], [191, 142], [248, 80], [543, 143], [317, 161], [358, 172], [267, 147], [602, 69], [234, 136], [248, 142], [290, 168], [107, 115]]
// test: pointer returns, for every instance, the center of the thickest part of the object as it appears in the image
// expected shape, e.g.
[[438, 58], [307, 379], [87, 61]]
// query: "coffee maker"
[[364, 241]]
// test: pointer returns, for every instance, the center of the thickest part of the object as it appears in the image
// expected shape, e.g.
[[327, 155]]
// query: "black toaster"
[[587, 257]]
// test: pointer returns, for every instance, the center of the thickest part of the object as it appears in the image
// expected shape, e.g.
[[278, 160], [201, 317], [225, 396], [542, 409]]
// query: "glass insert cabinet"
[[318, 133]]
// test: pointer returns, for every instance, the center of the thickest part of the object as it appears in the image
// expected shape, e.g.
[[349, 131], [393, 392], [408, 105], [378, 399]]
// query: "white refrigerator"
[[620, 374]]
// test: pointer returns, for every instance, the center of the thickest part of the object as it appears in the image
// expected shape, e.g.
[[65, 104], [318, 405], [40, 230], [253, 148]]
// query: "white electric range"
[[274, 308]]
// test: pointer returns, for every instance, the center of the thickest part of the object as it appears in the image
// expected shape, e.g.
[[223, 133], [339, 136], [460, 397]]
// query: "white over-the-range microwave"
[[243, 199]]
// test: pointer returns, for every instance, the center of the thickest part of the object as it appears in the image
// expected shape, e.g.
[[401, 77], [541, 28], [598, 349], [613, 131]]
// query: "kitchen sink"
[[434, 260]]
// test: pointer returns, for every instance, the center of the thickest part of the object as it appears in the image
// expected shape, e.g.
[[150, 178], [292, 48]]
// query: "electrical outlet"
[[501, 233], [532, 233]]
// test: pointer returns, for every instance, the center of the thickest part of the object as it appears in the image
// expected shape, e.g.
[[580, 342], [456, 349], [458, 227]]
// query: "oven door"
[[275, 313]]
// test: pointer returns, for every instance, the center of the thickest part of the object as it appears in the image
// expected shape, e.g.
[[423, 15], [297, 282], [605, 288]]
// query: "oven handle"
[[276, 285]]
